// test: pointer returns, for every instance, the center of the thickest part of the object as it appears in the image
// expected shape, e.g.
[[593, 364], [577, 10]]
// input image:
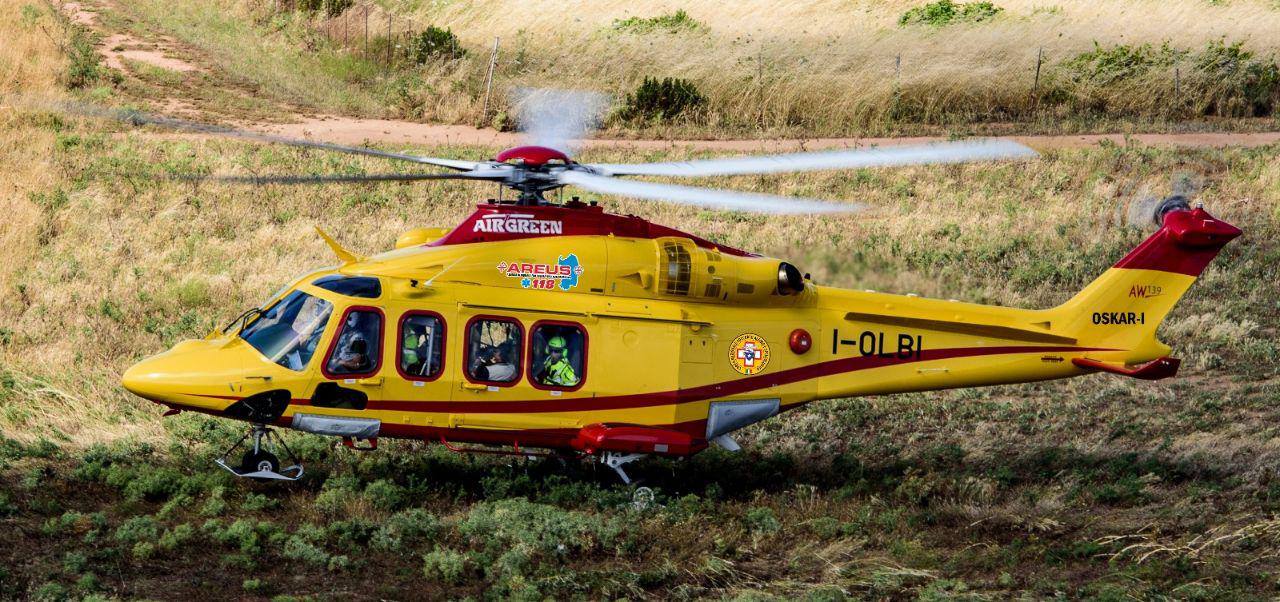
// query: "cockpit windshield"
[[289, 331]]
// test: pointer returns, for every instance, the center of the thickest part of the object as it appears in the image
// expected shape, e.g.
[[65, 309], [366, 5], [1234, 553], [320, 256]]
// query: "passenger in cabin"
[[417, 355], [556, 371], [496, 366]]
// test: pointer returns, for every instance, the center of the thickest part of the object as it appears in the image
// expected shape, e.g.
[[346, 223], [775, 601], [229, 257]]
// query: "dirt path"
[[344, 130], [117, 47]]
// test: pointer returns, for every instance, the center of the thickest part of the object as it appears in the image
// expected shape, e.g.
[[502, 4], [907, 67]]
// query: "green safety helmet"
[[556, 343]]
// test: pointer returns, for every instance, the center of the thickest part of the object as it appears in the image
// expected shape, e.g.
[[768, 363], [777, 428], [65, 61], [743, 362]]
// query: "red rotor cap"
[[532, 156]]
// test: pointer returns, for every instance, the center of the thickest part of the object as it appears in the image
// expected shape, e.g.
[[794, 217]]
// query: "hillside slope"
[[1095, 487]]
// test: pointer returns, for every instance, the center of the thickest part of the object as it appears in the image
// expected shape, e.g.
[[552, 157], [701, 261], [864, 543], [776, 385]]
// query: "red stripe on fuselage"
[[701, 393]]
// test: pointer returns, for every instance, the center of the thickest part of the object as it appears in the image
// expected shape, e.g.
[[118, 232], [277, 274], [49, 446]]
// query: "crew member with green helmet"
[[556, 370]]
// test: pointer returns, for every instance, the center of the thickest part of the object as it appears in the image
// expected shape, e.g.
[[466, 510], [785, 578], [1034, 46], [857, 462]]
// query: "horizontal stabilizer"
[[1153, 370]]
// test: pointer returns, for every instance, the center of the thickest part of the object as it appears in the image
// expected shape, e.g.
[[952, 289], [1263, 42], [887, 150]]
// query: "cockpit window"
[[351, 286], [288, 332]]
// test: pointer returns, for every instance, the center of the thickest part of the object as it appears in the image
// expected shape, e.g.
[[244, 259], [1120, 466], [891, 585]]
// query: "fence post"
[[488, 82], [1035, 87], [390, 42], [760, 81], [1177, 82], [366, 32]]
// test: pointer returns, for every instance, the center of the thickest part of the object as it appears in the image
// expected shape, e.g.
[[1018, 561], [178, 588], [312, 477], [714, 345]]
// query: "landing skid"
[[259, 462]]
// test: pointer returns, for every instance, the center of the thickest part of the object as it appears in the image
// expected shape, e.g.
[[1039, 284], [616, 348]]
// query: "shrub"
[[138, 529], [256, 502], [83, 63], [385, 495], [445, 565], [408, 526], [331, 8], [540, 528], [663, 99], [944, 12], [1104, 66], [434, 43], [762, 520], [1234, 82], [670, 23]]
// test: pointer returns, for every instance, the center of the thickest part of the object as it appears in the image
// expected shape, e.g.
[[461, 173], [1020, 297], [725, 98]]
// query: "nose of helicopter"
[[194, 374]]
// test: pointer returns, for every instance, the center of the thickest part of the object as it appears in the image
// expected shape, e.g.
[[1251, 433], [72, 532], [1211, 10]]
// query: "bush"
[[763, 521], [83, 63], [434, 44], [540, 528], [669, 23], [385, 495], [944, 12], [663, 99], [138, 529], [1234, 82], [331, 8], [406, 527], [445, 565]]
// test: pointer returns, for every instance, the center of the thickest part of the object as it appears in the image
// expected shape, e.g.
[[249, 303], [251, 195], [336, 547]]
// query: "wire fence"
[[393, 41]]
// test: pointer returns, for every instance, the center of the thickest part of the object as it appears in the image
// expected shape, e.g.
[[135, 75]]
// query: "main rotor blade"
[[916, 154], [137, 118], [332, 179], [703, 197]]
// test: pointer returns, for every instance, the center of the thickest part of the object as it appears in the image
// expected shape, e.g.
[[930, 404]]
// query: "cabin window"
[[421, 345], [557, 355], [494, 350], [356, 351], [288, 333], [351, 286]]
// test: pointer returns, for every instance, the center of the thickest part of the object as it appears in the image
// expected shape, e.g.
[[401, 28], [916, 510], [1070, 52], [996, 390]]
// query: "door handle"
[[263, 378], [370, 382], [474, 387]]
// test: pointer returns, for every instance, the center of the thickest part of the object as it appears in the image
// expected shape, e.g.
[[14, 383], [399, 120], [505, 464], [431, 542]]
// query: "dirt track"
[[345, 130]]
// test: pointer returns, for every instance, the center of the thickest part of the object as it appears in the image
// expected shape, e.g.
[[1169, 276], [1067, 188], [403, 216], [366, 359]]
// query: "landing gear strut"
[[616, 461], [259, 460]]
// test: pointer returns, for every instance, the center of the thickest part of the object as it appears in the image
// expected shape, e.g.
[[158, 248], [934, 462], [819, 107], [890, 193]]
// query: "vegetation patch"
[[675, 22], [946, 12], [662, 99]]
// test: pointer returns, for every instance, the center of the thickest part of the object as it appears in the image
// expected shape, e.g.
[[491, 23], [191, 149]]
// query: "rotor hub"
[[532, 156]]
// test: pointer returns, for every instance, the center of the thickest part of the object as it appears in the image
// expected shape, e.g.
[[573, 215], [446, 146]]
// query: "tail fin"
[[1122, 308]]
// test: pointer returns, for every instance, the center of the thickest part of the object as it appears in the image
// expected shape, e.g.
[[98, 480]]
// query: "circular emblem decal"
[[749, 354]]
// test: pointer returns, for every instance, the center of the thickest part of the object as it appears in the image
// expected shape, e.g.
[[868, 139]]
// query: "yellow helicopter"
[[571, 330]]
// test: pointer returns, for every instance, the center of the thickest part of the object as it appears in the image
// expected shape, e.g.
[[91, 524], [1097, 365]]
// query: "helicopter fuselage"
[[573, 329]]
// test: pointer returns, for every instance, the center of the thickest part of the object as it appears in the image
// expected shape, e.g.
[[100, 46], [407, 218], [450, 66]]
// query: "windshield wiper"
[[242, 318]]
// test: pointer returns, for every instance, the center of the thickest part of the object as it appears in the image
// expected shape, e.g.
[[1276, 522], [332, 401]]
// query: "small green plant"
[[669, 23], [330, 8], [433, 44], [83, 63], [662, 99], [945, 12], [138, 529], [762, 520], [445, 565]]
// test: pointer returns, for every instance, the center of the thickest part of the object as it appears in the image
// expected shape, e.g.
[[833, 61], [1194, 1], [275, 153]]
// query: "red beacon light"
[[800, 341], [531, 156]]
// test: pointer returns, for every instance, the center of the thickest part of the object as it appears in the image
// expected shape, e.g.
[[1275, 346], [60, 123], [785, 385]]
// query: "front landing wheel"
[[259, 461]]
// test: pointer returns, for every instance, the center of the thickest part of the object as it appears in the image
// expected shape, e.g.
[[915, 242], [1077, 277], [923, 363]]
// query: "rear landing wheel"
[[256, 461]]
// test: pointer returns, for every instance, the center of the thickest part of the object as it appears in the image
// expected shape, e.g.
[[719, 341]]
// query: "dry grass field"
[[779, 68], [1091, 488]]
